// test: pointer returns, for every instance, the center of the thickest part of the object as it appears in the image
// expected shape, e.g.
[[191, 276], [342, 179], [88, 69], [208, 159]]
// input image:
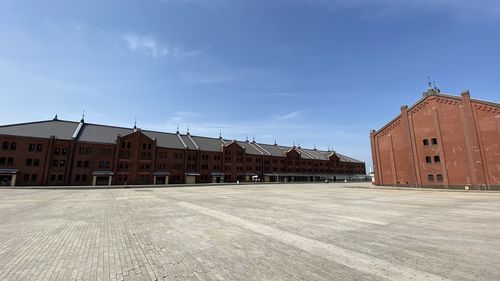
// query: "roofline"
[[256, 146]]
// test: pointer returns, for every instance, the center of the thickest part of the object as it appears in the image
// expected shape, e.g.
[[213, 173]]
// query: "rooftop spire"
[[220, 134], [55, 118], [253, 139], [188, 130], [275, 142], [83, 117], [177, 131], [135, 123]]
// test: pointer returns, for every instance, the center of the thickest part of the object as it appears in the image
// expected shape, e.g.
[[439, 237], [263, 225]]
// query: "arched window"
[[430, 177]]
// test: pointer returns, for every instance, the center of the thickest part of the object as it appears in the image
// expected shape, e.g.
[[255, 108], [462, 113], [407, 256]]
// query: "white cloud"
[[155, 49], [291, 115]]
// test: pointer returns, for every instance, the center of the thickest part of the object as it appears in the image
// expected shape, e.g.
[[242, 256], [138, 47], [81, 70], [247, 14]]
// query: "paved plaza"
[[251, 232]]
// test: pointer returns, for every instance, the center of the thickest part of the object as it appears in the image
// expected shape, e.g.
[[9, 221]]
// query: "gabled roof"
[[208, 144], [102, 133], [60, 129], [249, 149], [108, 134]]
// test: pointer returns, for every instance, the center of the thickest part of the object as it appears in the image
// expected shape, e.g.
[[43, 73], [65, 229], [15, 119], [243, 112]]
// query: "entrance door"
[[102, 181], [5, 180], [160, 180]]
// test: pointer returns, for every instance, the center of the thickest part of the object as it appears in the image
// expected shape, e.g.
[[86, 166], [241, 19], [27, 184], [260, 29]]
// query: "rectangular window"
[[84, 177], [10, 161], [31, 147], [5, 145], [29, 162], [60, 177], [77, 178], [12, 146], [33, 177], [426, 142], [434, 141], [437, 159], [39, 147], [55, 163], [36, 162], [430, 177], [26, 177], [439, 177], [428, 159]]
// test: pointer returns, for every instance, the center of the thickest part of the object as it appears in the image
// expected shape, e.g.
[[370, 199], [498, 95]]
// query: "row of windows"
[[58, 163], [61, 151], [32, 162], [56, 177], [28, 177], [82, 178], [434, 141], [162, 155], [85, 151], [126, 144], [439, 178], [9, 145], [146, 146], [104, 164], [106, 151], [437, 159], [33, 147], [84, 164], [9, 161]]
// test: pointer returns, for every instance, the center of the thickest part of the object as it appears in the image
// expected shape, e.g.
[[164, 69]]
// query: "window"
[[5, 145], [57, 151], [60, 177], [123, 144], [36, 162], [29, 162], [12, 146], [10, 161], [52, 177], [128, 145], [81, 150], [434, 141], [426, 142], [62, 163], [84, 177], [86, 164], [79, 163], [39, 147], [33, 177], [428, 159], [88, 151], [64, 151], [26, 177], [430, 177], [437, 159], [55, 163], [439, 177], [101, 164], [77, 178], [31, 147]]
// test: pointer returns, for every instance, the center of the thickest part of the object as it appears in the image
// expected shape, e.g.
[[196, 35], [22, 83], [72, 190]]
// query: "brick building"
[[57, 152], [441, 141]]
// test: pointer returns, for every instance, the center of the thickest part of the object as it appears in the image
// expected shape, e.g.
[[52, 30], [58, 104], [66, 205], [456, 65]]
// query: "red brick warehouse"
[[441, 141], [57, 152]]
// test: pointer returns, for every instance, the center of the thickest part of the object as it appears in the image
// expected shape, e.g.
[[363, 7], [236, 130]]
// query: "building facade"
[[58, 152], [441, 141]]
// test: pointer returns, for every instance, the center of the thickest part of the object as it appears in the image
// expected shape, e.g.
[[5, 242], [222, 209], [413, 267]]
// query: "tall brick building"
[[441, 141], [57, 152]]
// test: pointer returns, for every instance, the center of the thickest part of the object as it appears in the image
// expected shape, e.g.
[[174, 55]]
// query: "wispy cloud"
[[155, 49], [291, 115]]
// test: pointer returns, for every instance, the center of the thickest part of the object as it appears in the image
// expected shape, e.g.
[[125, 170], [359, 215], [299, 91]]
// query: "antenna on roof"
[[135, 123], [314, 146], [435, 87], [294, 144], [55, 118], [253, 139], [328, 149], [220, 134], [177, 132], [429, 82], [298, 145], [83, 117], [275, 141], [188, 130]]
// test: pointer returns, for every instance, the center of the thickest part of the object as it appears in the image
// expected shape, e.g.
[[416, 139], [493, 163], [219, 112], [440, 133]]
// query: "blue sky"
[[314, 72]]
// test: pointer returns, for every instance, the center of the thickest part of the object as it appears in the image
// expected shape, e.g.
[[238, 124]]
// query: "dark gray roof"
[[101, 133], [165, 139], [188, 142], [249, 149], [42, 129], [273, 149], [208, 144], [107, 134]]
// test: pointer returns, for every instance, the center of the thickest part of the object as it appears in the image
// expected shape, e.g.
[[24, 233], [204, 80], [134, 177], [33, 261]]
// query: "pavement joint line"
[[355, 260]]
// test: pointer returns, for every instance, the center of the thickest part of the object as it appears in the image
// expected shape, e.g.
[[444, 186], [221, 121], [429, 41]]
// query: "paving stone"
[[249, 232]]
